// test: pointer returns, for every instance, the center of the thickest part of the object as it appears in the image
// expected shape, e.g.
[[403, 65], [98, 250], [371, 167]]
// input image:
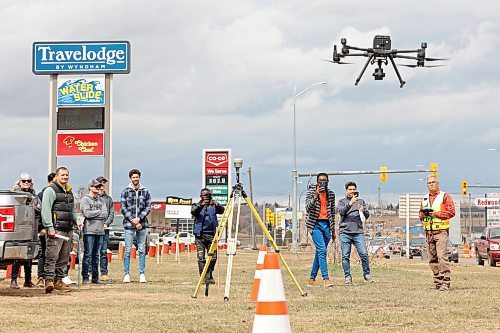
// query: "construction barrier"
[[258, 272], [271, 309], [166, 248], [133, 253], [466, 250], [173, 247], [152, 250], [192, 246], [182, 247], [109, 255], [72, 262]]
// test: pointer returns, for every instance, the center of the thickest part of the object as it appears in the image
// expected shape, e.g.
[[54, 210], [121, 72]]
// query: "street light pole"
[[295, 246]]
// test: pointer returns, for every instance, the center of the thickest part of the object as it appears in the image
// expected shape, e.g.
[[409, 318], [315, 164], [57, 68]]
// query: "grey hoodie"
[[95, 212]]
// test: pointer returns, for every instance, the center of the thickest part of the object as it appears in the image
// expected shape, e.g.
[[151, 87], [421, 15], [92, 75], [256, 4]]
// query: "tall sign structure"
[[81, 91], [216, 174]]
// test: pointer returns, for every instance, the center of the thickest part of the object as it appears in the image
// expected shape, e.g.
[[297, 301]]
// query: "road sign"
[[415, 201], [487, 202]]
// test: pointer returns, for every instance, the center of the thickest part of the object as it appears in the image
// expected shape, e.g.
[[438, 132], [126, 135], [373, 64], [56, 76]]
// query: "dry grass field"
[[399, 301]]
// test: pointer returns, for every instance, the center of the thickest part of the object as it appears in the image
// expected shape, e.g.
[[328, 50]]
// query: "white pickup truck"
[[18, 229]]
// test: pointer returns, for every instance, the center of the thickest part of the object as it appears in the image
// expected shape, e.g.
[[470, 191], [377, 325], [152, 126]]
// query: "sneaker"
[[327, 283], [126, 278], [49, 286], [312, 283], [67, 281], [40, 283], [435, 287], [444, 288], [86, 281], [61, 286], [368, 278], [348, 280], [142, 278], [13, 284]]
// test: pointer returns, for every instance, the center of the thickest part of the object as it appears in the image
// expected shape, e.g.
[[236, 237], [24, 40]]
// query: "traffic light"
[[434, 169], [383, 176], [278, 219], [268, 215], [464, 187], [272, 219]]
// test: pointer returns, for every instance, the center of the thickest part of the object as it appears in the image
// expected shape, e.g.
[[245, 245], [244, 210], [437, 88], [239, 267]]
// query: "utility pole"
[[379, 202], [252, 225], [470, 215]]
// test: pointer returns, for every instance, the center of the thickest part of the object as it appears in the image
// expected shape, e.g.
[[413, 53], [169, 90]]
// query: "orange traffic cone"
[[258, 272], [271, 310], [72, 256]]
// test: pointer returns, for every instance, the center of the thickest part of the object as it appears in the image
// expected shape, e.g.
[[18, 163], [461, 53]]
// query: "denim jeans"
[[359, 242], [321, 237], [91, 247], [103, 255], [141, 249]]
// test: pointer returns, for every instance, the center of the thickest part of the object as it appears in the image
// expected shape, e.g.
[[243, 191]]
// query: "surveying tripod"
[[226, 222]]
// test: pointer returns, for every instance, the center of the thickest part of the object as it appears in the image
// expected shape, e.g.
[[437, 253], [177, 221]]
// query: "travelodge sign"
[[81, 57]]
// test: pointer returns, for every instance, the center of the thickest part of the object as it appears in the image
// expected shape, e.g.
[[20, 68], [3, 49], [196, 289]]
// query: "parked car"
[[452, 252], [116, 232], [417, 244], [488, 246], [184, 237], [18, 229]]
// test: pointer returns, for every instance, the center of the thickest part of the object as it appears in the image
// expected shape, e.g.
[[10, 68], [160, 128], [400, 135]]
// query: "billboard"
[[81, 57], [216, 174], [178, 208], [80, 90], [80, 144]]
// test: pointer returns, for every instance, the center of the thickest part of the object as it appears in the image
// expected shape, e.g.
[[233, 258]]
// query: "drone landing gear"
[[363, 70], [401, 82]]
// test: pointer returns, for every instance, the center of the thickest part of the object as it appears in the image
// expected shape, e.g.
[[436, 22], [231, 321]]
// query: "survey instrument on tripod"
[[238, 192]]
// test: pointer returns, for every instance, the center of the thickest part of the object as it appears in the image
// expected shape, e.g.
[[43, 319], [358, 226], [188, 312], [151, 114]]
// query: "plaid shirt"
[[135, 203]]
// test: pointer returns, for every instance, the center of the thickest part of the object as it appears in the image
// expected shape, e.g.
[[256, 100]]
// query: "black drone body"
[[381, 54]]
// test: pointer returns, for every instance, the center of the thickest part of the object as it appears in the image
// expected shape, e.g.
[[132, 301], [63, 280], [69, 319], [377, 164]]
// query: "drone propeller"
[[415, 66], [338, 62], [417, 58]]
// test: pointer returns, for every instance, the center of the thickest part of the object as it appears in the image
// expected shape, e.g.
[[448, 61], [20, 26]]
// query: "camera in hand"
[[427, 211], [356, 194], [322, 184], [208, 196]]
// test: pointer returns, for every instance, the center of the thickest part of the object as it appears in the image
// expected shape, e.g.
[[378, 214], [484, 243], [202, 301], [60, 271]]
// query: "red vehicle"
[[488, 246]]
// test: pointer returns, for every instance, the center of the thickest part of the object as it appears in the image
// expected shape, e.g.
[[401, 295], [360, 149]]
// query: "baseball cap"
[[94, 183], [101, 178]]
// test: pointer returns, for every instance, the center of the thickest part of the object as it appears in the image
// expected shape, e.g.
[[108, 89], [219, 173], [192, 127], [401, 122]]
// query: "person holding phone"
[[320, 207], [205, 225], [353, 211]]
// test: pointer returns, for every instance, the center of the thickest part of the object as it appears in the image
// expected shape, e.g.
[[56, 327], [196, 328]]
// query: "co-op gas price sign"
[[217, 173], [81, 57]]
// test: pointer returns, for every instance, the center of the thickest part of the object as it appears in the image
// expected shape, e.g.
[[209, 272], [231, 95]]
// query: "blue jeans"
[[141, 249], [321, 237], [359, 242], [91, 247], [103, 255]]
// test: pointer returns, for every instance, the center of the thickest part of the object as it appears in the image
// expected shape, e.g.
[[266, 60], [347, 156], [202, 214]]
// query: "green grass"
[[399, 300]]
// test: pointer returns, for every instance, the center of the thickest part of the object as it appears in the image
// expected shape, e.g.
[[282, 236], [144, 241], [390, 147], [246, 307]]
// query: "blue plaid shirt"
[[135, 203]]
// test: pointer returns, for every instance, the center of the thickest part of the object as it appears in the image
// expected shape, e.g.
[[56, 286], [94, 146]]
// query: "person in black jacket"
[[353, 212], [41, 235], [205, 224]]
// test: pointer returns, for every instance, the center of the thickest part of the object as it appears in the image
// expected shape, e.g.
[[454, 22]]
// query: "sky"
[[221, 74]]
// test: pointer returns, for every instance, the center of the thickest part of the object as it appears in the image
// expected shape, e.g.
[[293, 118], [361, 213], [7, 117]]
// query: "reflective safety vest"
[[432, 223]]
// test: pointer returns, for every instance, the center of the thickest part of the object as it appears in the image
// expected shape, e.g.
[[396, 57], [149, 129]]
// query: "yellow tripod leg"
[[273, 243], [213, 246]]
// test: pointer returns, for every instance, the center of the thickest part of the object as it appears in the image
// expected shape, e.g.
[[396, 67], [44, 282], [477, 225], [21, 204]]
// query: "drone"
[[380, 53]]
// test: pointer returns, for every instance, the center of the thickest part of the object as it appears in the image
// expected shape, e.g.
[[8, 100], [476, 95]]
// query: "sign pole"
[[53, 124], [408, 225], [108, 108]]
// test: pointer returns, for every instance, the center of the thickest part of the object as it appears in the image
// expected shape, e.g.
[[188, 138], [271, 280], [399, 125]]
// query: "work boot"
[[49, 286], [59, 285], [13, 284], [327, 283], [28, 284], [40, 283], [105, 278], [312, 283]]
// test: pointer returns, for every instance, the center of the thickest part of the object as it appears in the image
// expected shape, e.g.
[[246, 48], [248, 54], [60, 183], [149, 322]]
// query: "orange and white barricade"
[[271, 310], [258, 272]]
